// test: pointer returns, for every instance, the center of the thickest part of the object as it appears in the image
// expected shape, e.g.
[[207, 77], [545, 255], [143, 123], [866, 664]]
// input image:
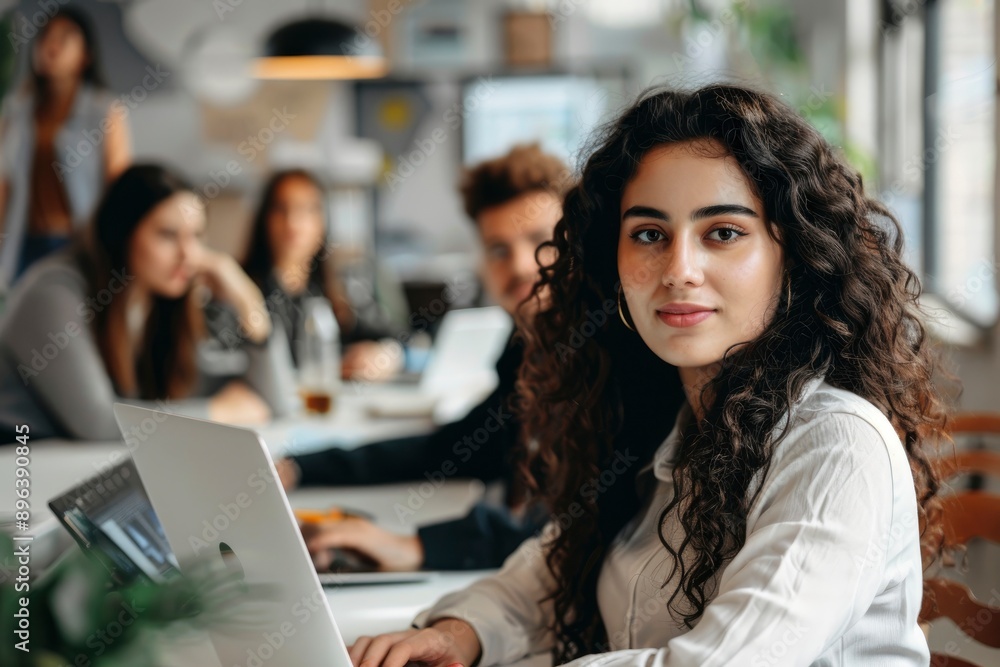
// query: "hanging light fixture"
[[320, 48]]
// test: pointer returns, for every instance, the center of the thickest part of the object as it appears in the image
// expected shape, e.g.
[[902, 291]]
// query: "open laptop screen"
[[111, 518]]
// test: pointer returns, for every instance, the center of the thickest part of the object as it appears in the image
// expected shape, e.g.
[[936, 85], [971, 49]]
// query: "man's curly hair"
[[525, 168]]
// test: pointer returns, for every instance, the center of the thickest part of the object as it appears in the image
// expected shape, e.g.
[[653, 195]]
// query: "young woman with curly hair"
[[782, 520]]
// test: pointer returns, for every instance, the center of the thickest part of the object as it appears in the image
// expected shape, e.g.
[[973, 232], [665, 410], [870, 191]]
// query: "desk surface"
[[359, 610], [57, 465]]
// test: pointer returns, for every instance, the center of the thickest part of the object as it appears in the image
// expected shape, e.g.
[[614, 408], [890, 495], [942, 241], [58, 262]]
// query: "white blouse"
[[830, 573]]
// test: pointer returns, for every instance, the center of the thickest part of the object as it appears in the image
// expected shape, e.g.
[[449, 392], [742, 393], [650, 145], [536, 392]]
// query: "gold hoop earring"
[[621, 313], [788, 291]]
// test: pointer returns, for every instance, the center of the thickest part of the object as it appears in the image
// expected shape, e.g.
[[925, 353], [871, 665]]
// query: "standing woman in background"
[[290, 259], [120, 316], [53, 171]]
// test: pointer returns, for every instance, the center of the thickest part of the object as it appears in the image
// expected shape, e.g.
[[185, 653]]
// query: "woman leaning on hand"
[[120, 316], [783, 519]]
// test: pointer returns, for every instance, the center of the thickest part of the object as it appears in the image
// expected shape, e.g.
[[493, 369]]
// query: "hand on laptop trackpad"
[[346, 560]]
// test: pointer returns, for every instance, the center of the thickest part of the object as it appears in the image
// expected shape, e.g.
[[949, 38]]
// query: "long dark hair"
[[259, 262], [91, 73], [852, 316], [167, 367]]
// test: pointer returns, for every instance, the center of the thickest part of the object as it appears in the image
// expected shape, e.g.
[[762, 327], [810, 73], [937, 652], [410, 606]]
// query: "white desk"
[[57, 465], [349, 424]]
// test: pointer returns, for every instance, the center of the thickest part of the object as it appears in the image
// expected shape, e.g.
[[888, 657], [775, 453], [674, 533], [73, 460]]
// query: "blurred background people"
[[50, 183], [515, 202], [291, 259], [120, 316]]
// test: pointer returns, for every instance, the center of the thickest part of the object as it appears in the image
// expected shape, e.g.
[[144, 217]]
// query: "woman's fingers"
[[401, 653], [396, 649], [358, 648], [379, 648]]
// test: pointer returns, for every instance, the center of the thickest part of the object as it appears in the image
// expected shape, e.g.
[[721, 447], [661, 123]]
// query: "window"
[[939, 145]]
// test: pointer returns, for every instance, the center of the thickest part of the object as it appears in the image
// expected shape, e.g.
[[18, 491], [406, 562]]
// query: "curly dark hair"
[[853, 318], [523, 169]]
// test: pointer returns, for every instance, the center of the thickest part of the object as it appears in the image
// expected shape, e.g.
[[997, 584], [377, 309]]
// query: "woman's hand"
[[392, 552], [372, 361], [446, 643], [236, 403], [228, 282]]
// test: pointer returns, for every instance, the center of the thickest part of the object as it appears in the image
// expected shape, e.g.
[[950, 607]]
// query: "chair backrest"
[[966, 516], [975, 422], [953, 599], [976, 461]]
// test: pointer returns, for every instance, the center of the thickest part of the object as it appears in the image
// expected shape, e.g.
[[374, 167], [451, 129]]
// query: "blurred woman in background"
[[120, 316], [290, 259], [65, 126]]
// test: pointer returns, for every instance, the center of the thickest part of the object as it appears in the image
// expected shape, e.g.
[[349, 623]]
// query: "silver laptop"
[[215, 491], [467, 345], [458, 375]]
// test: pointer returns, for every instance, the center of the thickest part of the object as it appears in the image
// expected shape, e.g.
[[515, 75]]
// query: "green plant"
[[77, 618], [767, 31]]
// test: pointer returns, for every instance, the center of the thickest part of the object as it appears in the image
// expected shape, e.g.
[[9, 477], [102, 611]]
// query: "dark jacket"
[[481, 445]]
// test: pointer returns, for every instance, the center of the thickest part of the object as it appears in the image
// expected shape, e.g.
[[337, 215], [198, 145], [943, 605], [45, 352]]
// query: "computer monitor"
[[560, 111]]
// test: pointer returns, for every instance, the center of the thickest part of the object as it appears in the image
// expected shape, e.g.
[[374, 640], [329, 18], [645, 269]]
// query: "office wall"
[[169, 122]]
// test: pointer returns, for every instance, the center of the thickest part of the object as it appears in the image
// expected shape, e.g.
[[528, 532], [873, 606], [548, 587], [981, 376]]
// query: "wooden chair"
[[966, 515], [978, 461], [976, 422]]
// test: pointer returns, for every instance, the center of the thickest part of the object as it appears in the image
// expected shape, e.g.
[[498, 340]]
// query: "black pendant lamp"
[[320, 48]]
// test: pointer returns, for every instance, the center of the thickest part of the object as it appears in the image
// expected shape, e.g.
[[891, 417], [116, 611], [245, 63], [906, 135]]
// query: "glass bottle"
[[319, 356]]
